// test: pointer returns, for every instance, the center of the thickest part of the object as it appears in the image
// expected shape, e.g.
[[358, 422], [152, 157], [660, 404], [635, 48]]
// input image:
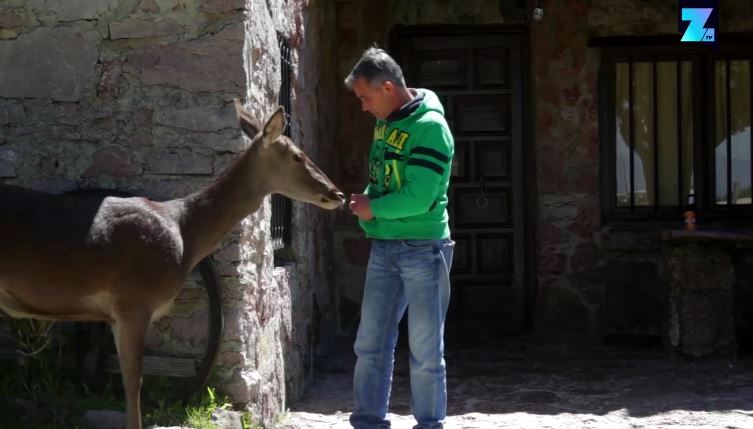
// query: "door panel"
[[477, 208], [482, 114], [478, 78]]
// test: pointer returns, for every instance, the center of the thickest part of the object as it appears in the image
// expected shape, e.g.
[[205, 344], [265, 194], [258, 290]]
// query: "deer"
[[124, 260]]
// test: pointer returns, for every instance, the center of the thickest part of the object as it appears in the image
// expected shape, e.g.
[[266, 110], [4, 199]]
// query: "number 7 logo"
[[697, 30]]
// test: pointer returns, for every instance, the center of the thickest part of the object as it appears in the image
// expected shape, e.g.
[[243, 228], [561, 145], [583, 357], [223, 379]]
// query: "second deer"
[[124, 260]]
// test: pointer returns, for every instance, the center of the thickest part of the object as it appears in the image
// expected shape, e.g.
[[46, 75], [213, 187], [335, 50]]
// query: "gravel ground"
[[524, 386]]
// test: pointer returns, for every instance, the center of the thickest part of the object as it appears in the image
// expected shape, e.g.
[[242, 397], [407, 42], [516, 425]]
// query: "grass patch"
[[35, 393]]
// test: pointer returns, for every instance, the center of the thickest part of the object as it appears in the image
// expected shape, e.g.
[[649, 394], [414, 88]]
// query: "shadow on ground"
[[521, 384]]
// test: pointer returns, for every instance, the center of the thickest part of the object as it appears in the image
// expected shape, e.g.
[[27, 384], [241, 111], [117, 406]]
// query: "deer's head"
[[285, 168]]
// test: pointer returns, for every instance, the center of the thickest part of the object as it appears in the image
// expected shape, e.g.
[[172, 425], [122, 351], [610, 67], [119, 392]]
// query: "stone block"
[[7, 34], [136, 28], [203, 118], [588, 218], [552, 262], [15, 18], [178, 163], [214, 6], [141, 139], [550, 234], [54, 63], [171, 188], [113, 161], [633, 293], [73, 10], [585, 257], [707, 327], [700, 267], [230, 253], [191, 329], [150, 6], [210, 63], [16, 113], [227, 141], [226, 419], [7, 169], [699, 320]]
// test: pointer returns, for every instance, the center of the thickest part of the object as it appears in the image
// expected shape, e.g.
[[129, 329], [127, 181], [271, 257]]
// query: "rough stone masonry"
[[136, 95]]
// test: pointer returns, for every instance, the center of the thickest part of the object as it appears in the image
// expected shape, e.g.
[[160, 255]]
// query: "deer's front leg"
[[129, 329]]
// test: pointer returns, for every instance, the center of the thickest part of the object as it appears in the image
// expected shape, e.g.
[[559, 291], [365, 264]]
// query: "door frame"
[[530, 194]]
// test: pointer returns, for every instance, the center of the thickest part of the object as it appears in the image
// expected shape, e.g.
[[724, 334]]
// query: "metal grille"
[[653, 113], [281, 206], [732, 141], [678, 123]]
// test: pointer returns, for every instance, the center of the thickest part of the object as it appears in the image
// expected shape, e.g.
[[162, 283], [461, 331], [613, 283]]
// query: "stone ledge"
[[679, 235]]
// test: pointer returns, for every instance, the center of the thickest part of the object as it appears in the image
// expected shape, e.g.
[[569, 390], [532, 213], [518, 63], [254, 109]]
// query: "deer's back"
[[66, 247]]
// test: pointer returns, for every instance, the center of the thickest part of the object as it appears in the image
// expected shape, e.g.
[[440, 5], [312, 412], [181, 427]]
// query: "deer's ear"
[[250, 125], [275, 125]]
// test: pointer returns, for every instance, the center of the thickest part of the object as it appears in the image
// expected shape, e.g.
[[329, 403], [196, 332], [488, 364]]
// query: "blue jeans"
[[412, 274]]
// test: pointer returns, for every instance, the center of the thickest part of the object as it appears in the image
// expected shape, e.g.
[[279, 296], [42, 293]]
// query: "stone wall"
[[136, 95], [594, 279], [281, 355]]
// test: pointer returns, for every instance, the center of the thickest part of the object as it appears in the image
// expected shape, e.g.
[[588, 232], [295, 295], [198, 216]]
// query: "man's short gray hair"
[[376, 66]]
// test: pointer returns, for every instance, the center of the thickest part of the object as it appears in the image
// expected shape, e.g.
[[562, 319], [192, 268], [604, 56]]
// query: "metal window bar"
[[729, 134], [632, 96], [699, 166], [631, 123], [655, 96], [680, 159], [281, 205]]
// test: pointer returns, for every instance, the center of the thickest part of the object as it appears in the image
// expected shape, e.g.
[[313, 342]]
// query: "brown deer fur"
[[124, 260]]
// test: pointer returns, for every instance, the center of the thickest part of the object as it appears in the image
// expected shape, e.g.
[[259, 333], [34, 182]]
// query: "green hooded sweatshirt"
[[409, 172]]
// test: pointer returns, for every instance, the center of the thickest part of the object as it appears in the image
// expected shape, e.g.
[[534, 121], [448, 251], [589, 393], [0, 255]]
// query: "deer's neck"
[[209, 215]]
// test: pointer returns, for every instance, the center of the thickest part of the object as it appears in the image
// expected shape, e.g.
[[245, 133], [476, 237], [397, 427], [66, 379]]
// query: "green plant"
[[31, 336], [247, 421], [200, 415], [39, 391], [283, 416], [44, 395]]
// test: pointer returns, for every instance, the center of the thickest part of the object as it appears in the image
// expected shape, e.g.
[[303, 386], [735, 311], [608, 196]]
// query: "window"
[[281, 206], [676, 128]]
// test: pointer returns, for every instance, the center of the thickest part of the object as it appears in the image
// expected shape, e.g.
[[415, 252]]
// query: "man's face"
[[376, 100]]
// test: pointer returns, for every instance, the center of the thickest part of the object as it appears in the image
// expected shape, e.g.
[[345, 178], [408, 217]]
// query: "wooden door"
[[478, 78]]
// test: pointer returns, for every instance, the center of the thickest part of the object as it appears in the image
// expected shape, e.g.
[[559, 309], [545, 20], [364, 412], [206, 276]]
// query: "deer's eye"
[[297, 157]]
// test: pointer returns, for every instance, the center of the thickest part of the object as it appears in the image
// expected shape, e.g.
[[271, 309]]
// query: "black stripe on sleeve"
[[432, 153], [426, 164]]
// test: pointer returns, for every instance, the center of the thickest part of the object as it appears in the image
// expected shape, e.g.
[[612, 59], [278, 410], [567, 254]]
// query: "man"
[[403, 211]]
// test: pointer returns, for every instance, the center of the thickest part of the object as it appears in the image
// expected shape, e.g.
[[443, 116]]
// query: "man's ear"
[[388, 86], [250, 125], [274, 126]]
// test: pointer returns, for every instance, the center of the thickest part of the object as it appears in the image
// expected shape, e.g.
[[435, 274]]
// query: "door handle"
[[482, 201]]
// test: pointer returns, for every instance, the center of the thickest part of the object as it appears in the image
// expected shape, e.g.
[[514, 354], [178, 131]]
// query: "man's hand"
[[360, 205]]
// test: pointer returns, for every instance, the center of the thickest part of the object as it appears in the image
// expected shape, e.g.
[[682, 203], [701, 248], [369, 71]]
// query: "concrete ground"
[[521, 385]]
